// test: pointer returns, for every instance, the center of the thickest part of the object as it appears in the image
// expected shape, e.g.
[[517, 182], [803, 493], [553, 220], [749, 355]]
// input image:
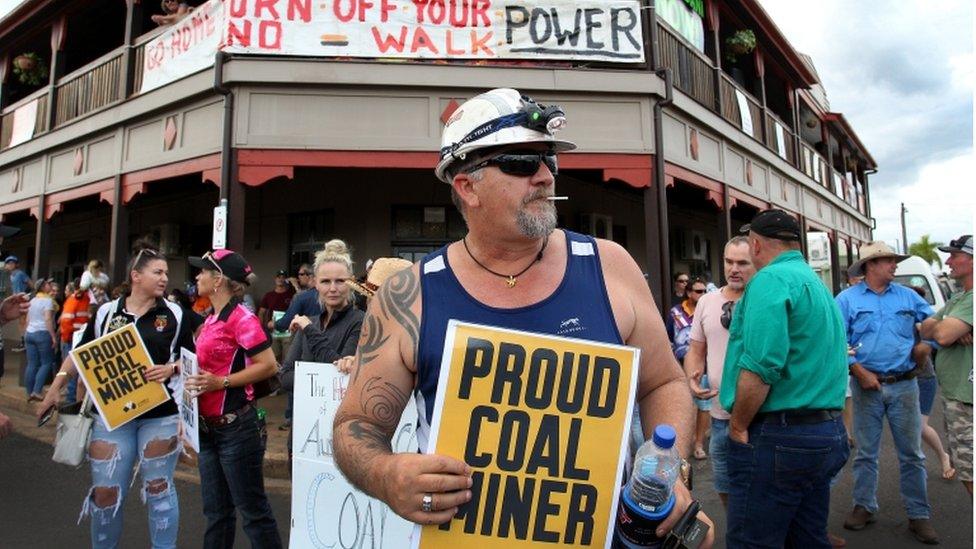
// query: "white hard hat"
[[498, 117]]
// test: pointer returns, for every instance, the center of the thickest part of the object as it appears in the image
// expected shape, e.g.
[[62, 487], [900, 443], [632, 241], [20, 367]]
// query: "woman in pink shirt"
[[233, 353]]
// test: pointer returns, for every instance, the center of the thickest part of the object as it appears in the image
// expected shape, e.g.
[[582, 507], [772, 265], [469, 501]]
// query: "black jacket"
[[314, 344]]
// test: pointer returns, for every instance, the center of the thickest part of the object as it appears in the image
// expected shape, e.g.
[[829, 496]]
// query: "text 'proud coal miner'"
[[526, 439], [114, 366]]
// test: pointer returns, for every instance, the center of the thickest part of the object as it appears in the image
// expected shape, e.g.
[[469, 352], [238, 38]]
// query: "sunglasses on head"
[[521, 163], [726, 318], [209, 256]]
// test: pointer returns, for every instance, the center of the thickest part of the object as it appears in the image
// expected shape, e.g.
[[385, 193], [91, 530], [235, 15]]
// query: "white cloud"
[[903, 73], [940, 203]]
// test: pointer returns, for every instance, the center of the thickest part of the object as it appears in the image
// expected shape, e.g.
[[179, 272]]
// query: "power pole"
[[904, 237]]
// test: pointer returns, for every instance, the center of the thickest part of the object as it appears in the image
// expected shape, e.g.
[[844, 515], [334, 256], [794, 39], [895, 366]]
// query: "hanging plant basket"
[[30, 69], [739, 43]]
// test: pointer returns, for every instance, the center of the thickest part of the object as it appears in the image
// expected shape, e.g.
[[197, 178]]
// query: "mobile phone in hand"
[[47, 416]]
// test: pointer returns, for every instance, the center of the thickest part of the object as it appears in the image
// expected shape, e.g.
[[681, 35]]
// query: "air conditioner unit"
[[167, 236], [598, 225], [691, 246]]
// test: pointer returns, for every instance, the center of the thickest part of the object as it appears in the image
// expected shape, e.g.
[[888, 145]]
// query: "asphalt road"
[[40, 502], [952, 509]]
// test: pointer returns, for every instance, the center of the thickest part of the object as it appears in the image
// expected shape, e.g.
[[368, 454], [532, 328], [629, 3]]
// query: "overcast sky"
[[902, 72]]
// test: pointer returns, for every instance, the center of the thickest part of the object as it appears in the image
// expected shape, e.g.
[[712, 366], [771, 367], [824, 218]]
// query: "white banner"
[[744, 114], [326, 510], [25, 119], [780, 139], [187, 401], [594, 30], [188, 47]]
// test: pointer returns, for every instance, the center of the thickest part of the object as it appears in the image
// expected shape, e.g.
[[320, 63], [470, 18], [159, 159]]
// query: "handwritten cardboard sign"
[[543, 421], [326, 510], [113, 368], [187, 400]]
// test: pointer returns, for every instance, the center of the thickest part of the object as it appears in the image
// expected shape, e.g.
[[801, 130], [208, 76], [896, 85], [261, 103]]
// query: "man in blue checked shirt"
[[881, 319]]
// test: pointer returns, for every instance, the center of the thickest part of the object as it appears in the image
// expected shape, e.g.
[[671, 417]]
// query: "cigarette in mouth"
[[557, 198]]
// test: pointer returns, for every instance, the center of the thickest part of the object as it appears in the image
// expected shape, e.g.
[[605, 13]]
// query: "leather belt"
[[226, 419], [895, 378], [797, 417]]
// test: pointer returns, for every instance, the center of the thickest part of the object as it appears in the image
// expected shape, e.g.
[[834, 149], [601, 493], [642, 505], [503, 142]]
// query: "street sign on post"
[[220, 226]]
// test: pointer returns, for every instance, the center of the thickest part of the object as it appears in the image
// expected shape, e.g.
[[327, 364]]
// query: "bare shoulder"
[[619, 268], [396, 310]]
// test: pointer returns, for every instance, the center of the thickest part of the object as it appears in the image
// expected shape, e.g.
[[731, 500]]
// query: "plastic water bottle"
[[648, 497]]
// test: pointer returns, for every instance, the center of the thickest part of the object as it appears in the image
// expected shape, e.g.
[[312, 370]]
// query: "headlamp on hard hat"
[[531, 115]]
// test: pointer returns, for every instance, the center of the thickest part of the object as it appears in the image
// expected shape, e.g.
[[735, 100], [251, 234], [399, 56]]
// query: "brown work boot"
[[860, 517], [922, 528]]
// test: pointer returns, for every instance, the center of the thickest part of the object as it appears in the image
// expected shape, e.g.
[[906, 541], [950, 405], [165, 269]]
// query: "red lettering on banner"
[[266, 28], [363, 6], [479, 10], [243, 37], [344, 17], [238, 8], [450, 44], [420, 4], [302, 7], [459, 13], [261, 5], [482, 43], [422, 40], [390, 41], [385, 9], [436, 11]]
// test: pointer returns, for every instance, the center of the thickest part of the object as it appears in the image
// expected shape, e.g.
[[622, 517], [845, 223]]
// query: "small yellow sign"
[[113, 368], [543, 422]]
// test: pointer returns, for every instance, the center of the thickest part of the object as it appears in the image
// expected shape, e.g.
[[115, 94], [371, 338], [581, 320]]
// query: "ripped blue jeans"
[[153, 444]]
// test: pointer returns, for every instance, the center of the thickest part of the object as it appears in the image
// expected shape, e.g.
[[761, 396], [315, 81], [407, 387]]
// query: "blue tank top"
[[578, 308]]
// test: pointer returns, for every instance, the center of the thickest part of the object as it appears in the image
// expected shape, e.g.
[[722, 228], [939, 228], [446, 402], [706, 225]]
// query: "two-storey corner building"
[[321, 119]]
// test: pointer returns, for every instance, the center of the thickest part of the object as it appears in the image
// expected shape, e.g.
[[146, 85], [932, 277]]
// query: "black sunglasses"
[[726, 318], [521, 164], [694, 291]]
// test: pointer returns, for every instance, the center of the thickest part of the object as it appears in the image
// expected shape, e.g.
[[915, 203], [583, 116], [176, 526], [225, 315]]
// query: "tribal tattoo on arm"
[[364, 434]]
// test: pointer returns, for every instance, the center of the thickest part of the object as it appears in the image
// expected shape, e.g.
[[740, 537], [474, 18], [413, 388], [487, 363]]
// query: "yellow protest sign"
[[543, 422], [113, 368]]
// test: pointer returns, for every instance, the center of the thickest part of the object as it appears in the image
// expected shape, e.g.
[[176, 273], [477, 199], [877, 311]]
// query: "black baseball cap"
[[281, 272], [228, 263], [8, 230], [774, 223], [962, 244]]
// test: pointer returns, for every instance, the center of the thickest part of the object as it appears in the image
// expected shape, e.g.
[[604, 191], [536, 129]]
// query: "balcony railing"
[[90, 88], [9, 113], [139, 57], [691, 71], [731, 110], [783, 138]]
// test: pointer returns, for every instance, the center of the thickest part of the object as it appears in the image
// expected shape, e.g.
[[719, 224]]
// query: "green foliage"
[[35, 73], [739, 43], [926, 249]]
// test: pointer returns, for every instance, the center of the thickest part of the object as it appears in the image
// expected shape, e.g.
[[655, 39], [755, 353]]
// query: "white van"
[[914, 271]]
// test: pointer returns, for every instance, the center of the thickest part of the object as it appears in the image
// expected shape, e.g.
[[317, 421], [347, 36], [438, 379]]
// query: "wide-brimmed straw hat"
[[382, 269], [874, 250]]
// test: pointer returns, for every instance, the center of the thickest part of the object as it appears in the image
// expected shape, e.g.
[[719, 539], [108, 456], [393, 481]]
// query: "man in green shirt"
[[952, 328], [784, 382]]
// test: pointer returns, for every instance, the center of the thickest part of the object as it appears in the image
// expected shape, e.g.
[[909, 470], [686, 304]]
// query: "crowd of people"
[[889, 331], [753, 375]]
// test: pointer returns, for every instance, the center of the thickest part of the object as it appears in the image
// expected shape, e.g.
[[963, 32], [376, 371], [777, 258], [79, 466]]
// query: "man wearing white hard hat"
[[952, 328], [880, 319], [512, 270]]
